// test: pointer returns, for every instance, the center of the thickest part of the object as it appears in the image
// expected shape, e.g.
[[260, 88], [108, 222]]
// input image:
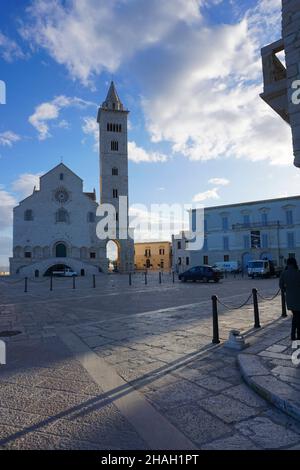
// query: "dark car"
[[201, 273]]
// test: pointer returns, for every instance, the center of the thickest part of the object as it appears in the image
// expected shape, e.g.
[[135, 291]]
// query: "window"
[[289, 217], [92, 255], [114, 127], [179, 260], [61, 215], [27, 254], [264, 240], [115, 193], [205, 259], [115, 171], [114, 145], [226, 258], [225, 223], [246, 242], [117, 216], [162, 264], [290, 240], [161, 251], [91, 217], [179, 245], [291, 255], [61, 176], [255, 239], [225, 243], [148, 252], [246, 219], [187, 261], [264, 218], [28, 215], [148, 263]]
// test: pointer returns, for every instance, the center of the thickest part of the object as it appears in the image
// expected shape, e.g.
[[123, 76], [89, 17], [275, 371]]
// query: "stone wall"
[[291, 39]]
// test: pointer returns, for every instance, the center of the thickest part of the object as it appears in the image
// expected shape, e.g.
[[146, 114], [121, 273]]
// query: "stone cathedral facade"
[[55, 227]]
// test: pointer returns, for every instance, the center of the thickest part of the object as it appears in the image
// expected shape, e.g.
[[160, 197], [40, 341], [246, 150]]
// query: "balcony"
[[275, 80], [256, 225]]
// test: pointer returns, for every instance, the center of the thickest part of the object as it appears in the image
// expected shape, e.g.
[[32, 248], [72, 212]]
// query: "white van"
[[227, 266]]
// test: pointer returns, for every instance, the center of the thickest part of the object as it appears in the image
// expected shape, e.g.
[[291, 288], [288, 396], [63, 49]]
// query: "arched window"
[[28, 215], [62, 215], [114, 145], [115, 171]]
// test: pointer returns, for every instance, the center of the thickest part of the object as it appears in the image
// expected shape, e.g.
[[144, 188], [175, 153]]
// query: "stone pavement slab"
[[268, 368]]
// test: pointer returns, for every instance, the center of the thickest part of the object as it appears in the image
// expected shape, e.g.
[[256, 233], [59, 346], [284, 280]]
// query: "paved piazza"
[[132, 367]]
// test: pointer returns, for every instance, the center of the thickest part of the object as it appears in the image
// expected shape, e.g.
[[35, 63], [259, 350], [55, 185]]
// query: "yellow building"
[[155, 256]]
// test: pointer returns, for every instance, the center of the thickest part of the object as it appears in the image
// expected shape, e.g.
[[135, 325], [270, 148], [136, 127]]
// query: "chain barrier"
[[269, 298], [231, 307]]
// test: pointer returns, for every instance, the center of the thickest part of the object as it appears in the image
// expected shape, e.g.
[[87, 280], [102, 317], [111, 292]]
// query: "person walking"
[[290, 283]]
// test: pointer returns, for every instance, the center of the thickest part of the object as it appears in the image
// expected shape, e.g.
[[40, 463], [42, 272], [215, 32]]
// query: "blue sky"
[[188, 70]]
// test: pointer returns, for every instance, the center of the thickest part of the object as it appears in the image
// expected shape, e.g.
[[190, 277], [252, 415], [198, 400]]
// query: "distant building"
[[154, 256], [267, 229]]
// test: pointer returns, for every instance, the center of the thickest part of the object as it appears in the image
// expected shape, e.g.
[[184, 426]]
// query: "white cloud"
[[138, 154], [7, 203], [8, 138], [91, 127], [219, 181], [50, 111], [9, 49], [26, 182], [200, 81], [89, 36], [207, 103], [209, 194]]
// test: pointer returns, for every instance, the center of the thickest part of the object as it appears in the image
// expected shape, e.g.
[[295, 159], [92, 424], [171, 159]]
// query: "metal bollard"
[[26, 285], [51, 283], [283, 304], [146, 280], [216, 339], [159, 277], [94, 281], [129, 279], [74, 285], [255, 306]]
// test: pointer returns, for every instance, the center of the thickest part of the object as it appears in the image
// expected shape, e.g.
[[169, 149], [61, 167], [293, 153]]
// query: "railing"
[[254, 296], [272, 223]]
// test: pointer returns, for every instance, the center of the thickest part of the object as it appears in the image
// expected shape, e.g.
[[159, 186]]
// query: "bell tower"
[[112, 119]]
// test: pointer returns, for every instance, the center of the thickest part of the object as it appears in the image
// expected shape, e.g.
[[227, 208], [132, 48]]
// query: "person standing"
[[290, 283]]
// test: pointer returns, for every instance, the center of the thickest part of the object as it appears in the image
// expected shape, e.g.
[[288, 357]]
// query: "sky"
[[190, 73]]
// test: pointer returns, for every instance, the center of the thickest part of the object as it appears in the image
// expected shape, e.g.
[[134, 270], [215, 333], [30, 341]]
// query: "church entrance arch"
[[113, 255], [57, 268], [60, 250]]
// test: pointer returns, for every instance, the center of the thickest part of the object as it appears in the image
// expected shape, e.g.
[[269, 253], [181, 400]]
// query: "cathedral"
[[55, 227]]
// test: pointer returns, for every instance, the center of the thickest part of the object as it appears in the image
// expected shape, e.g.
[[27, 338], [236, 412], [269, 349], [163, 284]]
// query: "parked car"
[[65, 273], [201, 273], [263, 268]]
